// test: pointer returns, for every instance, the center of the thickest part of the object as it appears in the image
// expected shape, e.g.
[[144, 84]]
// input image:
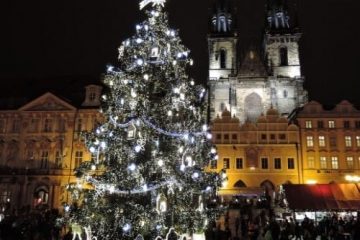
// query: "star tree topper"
[[144, 3]]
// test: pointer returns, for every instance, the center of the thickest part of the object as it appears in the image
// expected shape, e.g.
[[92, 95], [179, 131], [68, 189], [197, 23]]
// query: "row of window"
[[48, 125], [44, 158], [264, 163], [331, 124], [330, 162], [263, 136], [332, 141]]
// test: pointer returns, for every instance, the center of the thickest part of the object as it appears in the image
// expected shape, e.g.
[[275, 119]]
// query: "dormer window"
[[92, 96]]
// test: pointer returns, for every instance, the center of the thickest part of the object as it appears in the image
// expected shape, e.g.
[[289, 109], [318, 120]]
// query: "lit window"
[[350, 162], [311, 162], [348, 141], [310, 141], [323, 163], [264, 163], [78, 158], [226, 162], [358, 141], [277, 163], [334, 163], [291, 163], [321, 141], [44, 159], [331, 124], [308, 124], [239, 163]]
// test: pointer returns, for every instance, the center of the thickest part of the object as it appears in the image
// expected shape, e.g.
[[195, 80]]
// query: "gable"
[[47, 102]]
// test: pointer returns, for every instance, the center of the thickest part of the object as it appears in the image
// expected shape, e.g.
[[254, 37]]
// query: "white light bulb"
[[92, 149], [110, 68], [186, 136], [182, 96], [204, 127], [93, 167], [138, 27], [137, 148], [208, 136], [103, 145], [191, 62], [174, 62], [132, 167], [133, 93], [216, 157], [172, 33], [146, 77], [179, 55], [67, 208], [181, 149], [139, 40], [126, 227], [145, 188], [111, 189], [122, 101], [146, 27], [213, 150], [182, 167], [192, 83], [195, 175], [139, 62], [103, 97], [208, 188], [169, 113], [176, 90], [161, 163], [111, 83], [127, 43]]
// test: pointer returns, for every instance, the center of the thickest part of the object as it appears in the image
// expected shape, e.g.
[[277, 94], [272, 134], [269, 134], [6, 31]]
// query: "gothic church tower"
[[249, 86]]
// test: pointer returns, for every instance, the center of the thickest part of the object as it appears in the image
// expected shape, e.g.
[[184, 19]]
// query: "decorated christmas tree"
[[146, 179]]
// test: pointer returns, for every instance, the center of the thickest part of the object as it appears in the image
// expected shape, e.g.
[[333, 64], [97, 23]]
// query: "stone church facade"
[[248, 86]]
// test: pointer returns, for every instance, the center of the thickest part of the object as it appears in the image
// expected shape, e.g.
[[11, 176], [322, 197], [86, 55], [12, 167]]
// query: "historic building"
[[330, 142], [248, 86], [256, 155], [40, 146]]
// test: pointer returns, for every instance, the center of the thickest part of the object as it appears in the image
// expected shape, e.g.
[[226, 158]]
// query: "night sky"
[[46, 41]]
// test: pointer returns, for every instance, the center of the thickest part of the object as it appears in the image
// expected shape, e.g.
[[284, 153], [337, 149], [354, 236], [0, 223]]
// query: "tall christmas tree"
[[146, 178]]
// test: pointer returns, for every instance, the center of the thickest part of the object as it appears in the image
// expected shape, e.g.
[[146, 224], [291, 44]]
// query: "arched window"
[[222, 58], [285, 93], [240, 184], [283, 56]]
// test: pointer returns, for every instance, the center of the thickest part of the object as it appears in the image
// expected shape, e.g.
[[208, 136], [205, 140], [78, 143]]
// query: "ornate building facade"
[[40, 146], [258, 155], [330, 142], [248, 86]]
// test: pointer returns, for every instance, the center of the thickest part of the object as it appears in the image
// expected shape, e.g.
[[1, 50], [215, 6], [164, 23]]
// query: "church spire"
[[221, 22], [277, 15]]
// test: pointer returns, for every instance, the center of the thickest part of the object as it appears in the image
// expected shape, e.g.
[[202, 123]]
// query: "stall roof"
[[323, 196]]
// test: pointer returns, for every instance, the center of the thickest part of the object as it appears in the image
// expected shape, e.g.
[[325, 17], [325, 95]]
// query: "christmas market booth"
[[319, 200]]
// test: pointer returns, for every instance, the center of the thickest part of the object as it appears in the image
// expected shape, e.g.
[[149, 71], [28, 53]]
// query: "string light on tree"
[[152, 145]]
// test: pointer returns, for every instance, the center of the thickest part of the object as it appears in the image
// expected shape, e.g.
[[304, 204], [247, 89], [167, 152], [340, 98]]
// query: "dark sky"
[[49, 40]]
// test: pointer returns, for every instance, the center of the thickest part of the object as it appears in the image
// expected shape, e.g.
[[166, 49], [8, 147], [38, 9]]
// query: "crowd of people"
[[254, 222], [31, 225]]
